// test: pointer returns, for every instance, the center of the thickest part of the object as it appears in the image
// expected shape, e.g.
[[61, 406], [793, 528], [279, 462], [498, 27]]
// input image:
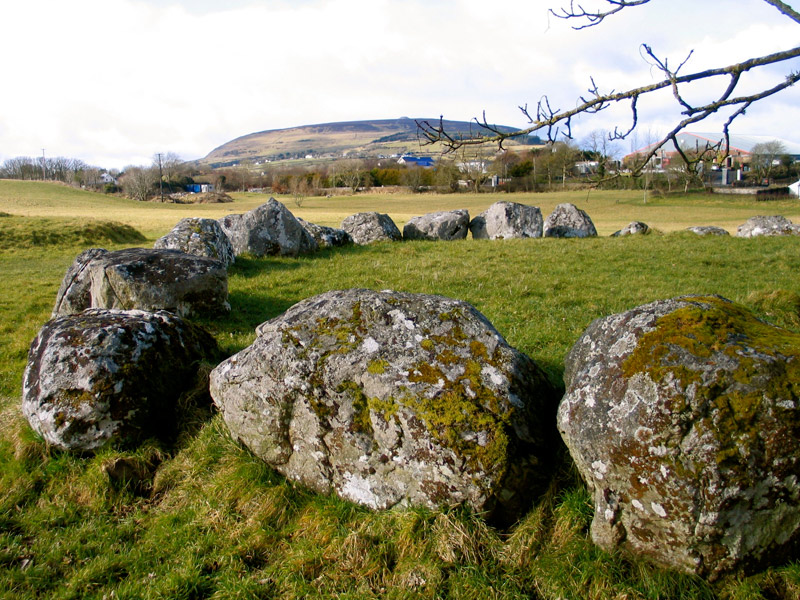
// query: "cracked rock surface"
[[682, 415]]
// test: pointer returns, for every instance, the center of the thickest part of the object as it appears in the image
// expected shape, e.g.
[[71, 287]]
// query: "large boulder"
[[389, 398], [326, 237], [569, 221], [368, 227], [683, 417], [632, 228], [771, 225], [707, 230], [267, 230], [143, 279], [201, 237], [445, 226], [503, 220], [110, 377]]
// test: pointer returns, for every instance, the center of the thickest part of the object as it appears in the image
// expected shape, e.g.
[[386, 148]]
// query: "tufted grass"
[[208, 520]]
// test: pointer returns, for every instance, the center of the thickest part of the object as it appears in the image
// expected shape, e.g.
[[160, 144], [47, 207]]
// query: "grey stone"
[[144, 279], [267, 230], [390, 398], [767, 225], [110, 377], [569, 221], [368, 227], [632, 228], [201, 237], [708, 230], [682, 416], [503, 220], [326, 237], [438, 226]]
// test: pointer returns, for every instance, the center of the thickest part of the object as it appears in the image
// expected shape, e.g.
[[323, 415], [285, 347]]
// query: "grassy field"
[[216, 523]]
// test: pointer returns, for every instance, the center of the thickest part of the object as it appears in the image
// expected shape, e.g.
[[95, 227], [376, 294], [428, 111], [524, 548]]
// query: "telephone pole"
[[160, 178], [44, 167]]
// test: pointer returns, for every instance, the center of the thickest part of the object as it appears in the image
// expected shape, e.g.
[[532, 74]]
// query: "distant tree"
[[139, 182], [352, 174], [764, 157], [724, 94]]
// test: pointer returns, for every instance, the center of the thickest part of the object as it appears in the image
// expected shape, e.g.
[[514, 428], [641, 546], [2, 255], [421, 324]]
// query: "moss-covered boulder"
[[144, 279], [682, 416], [110, 377], [201, 237], [389, 398]]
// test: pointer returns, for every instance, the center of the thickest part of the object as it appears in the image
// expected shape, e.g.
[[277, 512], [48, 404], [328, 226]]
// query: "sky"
[[113, 82]]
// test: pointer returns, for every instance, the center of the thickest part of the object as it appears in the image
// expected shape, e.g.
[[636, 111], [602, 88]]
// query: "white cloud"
[[114, 81]]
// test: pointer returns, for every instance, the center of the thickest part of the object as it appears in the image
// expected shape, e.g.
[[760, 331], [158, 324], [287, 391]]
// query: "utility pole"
[[160, 178], [44, 167]]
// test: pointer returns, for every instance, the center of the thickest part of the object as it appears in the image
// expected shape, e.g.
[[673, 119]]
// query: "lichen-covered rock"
[[201, 237], [267, 230], [632, 228], [326, 237], [110, 376], [144, 279], [504, 220], [707, 230], [368, 227], [771, 225], [390, 398], [444, 226], [682, 415], [569, 221]]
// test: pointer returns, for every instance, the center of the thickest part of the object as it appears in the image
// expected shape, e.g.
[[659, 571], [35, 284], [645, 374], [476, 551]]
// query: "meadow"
[[213, 522]]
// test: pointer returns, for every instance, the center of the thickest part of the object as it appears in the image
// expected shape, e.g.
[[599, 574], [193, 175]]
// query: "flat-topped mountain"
[[336, 140]]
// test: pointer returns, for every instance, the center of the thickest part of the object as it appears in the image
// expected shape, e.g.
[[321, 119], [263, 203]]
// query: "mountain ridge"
[[356, 139]]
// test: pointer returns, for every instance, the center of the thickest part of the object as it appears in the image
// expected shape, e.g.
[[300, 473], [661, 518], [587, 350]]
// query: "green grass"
[[214, 522]]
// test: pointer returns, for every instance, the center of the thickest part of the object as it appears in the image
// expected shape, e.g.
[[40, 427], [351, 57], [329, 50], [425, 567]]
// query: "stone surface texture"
[[326, 237], [144, 279], [200, 237], [503, 220], [632, 228], [439, 226], [769, 225], [569, 221], [682, 415], [368, 227], [707, 230], [110, 376], [267, 230], [389, 398]]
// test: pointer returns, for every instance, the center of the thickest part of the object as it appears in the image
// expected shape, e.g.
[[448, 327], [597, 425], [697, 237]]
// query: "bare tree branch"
[[557, 123]]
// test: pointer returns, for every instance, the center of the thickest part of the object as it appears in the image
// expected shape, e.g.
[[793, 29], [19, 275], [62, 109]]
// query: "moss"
[[767, 369], [427, 345], [361, 409], [377, 367], [387, 408]]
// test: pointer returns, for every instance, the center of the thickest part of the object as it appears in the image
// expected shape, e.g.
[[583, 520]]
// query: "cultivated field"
[[216, 523]]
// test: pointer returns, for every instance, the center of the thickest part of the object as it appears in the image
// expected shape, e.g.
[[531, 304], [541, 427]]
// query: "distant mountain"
[[354, 139]]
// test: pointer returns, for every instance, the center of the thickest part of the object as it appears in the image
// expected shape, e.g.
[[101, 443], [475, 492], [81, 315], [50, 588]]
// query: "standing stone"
[[110, 377], [143, 279], [772, 225], [200, 237], [326, 237], [269, 229], [390, 398], [503, 220], [445, 226], [682, 416], [632, 228], [569, 221], [368, 227]]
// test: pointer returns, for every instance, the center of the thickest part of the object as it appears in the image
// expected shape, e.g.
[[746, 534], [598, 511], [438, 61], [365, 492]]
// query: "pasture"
[[216, 523]]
